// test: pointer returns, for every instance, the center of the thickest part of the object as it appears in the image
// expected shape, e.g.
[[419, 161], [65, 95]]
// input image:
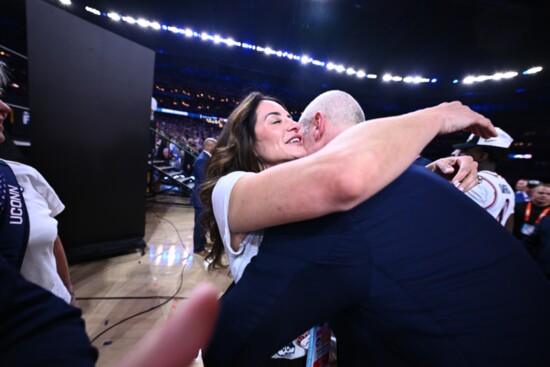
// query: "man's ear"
[[318, 126]]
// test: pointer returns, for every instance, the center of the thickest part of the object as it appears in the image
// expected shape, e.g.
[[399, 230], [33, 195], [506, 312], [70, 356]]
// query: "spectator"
[[531, 184], [521, 191], [493, 193], [529, 214], [43, 257], [199, 236]]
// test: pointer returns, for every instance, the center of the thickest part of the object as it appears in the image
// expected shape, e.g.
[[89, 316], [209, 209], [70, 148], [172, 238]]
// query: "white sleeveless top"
[[238, 260]]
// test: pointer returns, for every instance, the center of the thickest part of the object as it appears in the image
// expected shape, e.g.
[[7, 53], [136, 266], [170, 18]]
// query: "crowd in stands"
[[187, 131], [178, 139]]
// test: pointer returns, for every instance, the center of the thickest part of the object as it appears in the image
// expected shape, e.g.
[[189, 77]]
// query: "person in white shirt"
[[493, 193], [44, 261]]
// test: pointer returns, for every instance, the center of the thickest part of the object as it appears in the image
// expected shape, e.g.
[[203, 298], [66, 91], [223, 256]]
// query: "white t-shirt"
[[495, 195], [43, 204], [238, 260]]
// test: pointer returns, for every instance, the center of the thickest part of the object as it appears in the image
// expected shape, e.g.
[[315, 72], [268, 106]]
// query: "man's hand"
[[458, 117], [465, 178]]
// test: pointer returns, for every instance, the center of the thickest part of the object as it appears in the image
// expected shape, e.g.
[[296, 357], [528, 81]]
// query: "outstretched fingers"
[[458, 117], [466, 177], [464, 169], [483, 127]]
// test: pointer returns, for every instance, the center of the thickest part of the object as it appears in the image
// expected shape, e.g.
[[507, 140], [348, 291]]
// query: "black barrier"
[[90, 97]]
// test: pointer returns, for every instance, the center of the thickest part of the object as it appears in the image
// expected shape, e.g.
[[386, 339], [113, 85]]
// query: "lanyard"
[[528, 213], [14, 219]]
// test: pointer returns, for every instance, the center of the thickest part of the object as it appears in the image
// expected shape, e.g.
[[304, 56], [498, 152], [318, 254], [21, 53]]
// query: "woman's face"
[[278, 137]]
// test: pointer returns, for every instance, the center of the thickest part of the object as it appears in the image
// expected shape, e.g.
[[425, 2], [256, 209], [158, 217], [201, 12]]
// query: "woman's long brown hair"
[[235, 151]]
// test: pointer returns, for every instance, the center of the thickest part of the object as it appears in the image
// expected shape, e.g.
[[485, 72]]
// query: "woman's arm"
[[63, 266], [351, 168]]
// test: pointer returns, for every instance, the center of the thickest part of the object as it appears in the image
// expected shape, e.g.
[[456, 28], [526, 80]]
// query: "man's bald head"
[[328, 115]]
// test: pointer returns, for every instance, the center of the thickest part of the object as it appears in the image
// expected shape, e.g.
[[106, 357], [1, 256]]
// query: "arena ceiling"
[[446, 40]]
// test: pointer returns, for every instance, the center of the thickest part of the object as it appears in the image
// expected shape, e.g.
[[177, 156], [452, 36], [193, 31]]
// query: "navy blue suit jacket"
[[198, 173], [418, 275]]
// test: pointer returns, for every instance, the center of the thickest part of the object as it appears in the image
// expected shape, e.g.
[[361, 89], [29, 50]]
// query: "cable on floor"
[[156, 306]]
